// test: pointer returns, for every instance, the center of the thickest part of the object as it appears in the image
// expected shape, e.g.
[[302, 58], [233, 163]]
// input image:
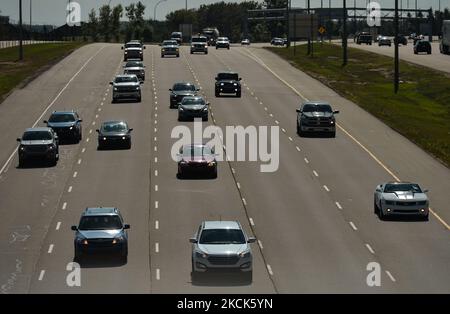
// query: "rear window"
[[181, 87]]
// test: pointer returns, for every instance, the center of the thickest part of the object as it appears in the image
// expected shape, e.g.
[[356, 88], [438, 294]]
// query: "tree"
[[105, 21], [116, 14], [93, 25]]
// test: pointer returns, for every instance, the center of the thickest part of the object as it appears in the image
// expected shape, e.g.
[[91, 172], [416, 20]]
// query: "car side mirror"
[[251, 240], [111, 83], [80, 120], [126, 226], [145, 47], [131, 129], [299, 110], [197, 89], [121, 47], [74, 228], [336, 111], [217, 78], [426, 191], [45, 121], [207, 103], [19, 139], [97, 130], [193, 240], [170, 90], [240, 79]]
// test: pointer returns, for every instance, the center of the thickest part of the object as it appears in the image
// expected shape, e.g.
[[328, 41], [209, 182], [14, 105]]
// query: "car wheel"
[[381, 215], [429, 52], [124, 257], [214, 174], [298, 129], [54, 161], [78, 257], [375, 207], [217, 94], [249, 276], [80, 136], [415, 52], [191, 52], [426, 217], [217, 47], [206, 52], [205, 118], [178, 56], [129, 144], [162, 56], [238, 94], [21, 162], [333, 134], [139, 99]]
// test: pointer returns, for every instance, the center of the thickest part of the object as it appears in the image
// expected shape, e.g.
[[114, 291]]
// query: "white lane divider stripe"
[[70, 189], [64, 206], [50, 249], [58, 225], [251, 221], [157, 247], [326, 188], [338, 205], [41, 275], [158, 275], [315, 173], [390, 276], [353, 225], [269, 269], [156, 224], [370, 248]]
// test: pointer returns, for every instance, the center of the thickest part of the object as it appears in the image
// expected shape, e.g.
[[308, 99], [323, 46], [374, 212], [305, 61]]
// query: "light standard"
[[154, 10]]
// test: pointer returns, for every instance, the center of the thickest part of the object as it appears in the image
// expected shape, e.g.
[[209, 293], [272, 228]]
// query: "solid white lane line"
[[64, 206], [306, 160], [50, 249], [260, 244], [156, 187], [315, 173], [338, 205], [41, 275], [156, 204], [238, 185], [232, 170], [58, 225], [87, 140], [156, 224], [251, 221], [157, 247], [269, 270], [353, 225], [75, 174], [70, 189], [390, 276], [158, 275], [370, 248], [326, 188], [244, 201]]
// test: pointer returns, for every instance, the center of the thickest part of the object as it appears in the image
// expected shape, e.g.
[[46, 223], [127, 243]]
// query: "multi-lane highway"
[[313, 217]]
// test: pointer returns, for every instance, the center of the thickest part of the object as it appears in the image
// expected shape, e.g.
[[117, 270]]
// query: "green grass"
[[421, 109], [37, 57]]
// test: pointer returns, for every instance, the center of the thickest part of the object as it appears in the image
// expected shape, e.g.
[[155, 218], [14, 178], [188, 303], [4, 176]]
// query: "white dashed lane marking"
[[70, 189], [156, 224], [353, 225], [326, 188], [338, 205], [390, 276], [269, 269], [370, 248], [41, 275], [50, 249], [64, 206]]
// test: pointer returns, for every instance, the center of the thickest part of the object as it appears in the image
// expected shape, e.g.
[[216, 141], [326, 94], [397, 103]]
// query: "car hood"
[[405, 196], [113, 133], [170, 46], [184, 93], [318, 114], [104, 234], [133, 69], [127, 84], [60, 124], [205, 158], [193, 107], [228, 81], [37, 142], [222, 249]]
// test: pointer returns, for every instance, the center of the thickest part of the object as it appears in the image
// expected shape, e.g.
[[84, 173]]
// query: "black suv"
[[422, 46], [67, 124], [181, 90], [316, 116], [39, 143], [228, 83], [364, 38], [101, 229]]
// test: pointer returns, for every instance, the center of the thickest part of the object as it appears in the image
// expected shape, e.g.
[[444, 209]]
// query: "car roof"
[[221, 225], [125, 75], [115, 122], [194, 97], [227, 72], [63, 112], [38, 129], [399, 182], [316, 102], [183, 83], [100, 211]]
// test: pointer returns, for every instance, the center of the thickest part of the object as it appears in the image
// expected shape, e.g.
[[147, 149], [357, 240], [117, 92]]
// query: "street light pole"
[[20, 31], [31, 8], [396, 70], [344, 35], [154, 10]]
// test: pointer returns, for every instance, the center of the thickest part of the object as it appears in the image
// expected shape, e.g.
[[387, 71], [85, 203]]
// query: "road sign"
[[300, 25], [322, 30]]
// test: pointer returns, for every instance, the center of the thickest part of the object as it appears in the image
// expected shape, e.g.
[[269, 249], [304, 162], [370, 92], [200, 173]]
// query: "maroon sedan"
[[197, 159]]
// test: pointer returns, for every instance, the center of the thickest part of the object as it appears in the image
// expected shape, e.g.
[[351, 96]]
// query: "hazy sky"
[[53, 11]]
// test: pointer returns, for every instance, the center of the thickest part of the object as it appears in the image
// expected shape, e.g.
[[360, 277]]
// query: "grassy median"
[[421, 109], [37, 58]]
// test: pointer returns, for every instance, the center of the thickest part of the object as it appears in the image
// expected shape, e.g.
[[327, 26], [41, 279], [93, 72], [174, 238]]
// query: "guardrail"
[[13, 43]]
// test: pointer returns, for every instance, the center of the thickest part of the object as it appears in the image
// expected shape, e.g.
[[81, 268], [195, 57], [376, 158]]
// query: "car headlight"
[[211, 164], [115, 88], [205, 109], [140, 52], [244, 254], [126, 52], [117, 240], [235, 84], [83, 241], [51, 147], [222, 84], [137, 88], [104, 138], [162, 49], [180, 108], [22, 148], [206, 46], [331, 122], [71, 128], [123, 137], [201, 254]]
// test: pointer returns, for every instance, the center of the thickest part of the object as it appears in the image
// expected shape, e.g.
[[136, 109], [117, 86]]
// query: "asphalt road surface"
[[313, 217]]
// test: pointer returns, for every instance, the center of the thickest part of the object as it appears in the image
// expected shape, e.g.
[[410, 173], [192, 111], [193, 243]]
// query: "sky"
[[53, 11]]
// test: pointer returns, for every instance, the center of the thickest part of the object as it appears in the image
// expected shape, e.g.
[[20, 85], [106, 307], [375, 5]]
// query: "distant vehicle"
[[316, 116], [228, 83], [377, 39], [245, 41], [221, 245], [101, 230], [135, 67], [422, 46], [178, 36], [67, 124], [126, 86], [199, 44], [417, 38], [412, 36], [133, 50], [38, 143], [170, 48], [222, 42], [444, 45], [384, 41], [181, 90], [277, 41], [114, 133], [364, 38], [193, 107], [402, 40], [400, 198], [211, 33], [196, 159]]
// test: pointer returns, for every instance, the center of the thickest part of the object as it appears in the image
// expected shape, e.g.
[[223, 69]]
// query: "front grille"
[[169, 49], [36, 148], [406, 203], [318, 121], [126, 89], [100, 243], [407, 211], [223, 259]]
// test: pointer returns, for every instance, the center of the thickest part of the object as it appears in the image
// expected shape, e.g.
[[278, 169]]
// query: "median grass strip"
[[37, 58], [421, 109]]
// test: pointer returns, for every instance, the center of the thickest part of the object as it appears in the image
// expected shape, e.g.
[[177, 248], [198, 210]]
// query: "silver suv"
[[219, 245], [41, 143], [199, 44], [126, 86]]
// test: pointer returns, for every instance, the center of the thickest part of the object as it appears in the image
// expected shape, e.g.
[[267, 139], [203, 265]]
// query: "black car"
[[67, 124], [277, 41], [181, 90], [422, 46], [316, 117], [364, 38], [101, 230], [114, 133], [193, 107], [228, 83], [401, 39], [38, 143], [197, 159]]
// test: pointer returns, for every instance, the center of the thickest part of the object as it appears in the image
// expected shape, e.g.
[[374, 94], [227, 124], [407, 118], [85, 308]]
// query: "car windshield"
[[133, 45], [317, 108], [222, 236], [199, 39], [115, 127], [228, 76], [170, 43], [100, 223], [192, 101], [183, 87], [223, 38], [197, 150], [402, 187], [62, 118], [37, 136], [176, 35], [132, 64], [126, 79]]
